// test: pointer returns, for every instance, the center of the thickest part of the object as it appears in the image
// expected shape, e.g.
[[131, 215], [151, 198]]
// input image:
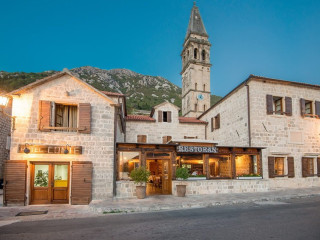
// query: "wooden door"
[[166, 177], [15, 176], [41, 183], [81, 183], [49, 183], [60, 183]]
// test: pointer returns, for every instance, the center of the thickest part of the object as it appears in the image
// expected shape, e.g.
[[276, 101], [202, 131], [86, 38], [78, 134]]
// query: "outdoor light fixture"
[[3, 103], [26, 149], [66, 151]]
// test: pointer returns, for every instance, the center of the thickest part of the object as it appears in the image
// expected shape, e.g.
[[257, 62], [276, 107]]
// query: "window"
[[166, 139], [279, 166], [307, 167], [277, 105], [195, 53], [66, 117], [203, 53], [195, 86], [204, 87], [220, 166], [142, 138], [217, 122], [164, 116], [310, 108], [127, 162], [194, 164], [247, 165], [204, 107]]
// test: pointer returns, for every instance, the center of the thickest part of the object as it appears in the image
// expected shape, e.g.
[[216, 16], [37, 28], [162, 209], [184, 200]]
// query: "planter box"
[[196, 178], [249, 178]]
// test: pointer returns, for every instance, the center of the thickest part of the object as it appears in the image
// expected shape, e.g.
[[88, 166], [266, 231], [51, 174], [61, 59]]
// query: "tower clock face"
[[200, 96]]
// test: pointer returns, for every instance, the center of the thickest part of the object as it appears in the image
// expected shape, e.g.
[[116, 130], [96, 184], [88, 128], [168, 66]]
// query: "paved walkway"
[[154, 203]]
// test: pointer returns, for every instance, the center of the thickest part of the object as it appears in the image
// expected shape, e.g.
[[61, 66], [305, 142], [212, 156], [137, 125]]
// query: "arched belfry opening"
[[195, 53], [203, 53]]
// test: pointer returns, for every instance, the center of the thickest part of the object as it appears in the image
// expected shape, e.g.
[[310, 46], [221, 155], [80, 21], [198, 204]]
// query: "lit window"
[[127, 162], [279, 166], [66, 116]]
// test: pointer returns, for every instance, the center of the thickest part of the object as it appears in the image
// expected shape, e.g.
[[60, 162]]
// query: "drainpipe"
[[249, 122], [115, 149]]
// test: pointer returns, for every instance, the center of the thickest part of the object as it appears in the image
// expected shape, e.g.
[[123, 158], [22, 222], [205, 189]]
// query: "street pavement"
[[293, 219], [150, 204]]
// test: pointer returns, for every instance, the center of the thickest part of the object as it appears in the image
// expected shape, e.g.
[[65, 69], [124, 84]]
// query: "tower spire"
[[196, 25]]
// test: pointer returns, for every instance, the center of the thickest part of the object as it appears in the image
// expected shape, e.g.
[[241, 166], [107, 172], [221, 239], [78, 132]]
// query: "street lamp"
[[3, 103]]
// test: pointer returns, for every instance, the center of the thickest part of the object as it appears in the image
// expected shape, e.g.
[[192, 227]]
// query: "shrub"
[[140, 175], [182, 173]]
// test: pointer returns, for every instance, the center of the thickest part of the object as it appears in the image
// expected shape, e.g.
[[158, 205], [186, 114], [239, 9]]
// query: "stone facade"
[[98, 146], [156, 130], [5, 133], [233, 113], [281, 135]]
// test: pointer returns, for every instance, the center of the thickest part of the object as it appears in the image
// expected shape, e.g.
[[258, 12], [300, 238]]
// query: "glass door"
[[166, 177], [40, 185], [60, 183], [49, 183]]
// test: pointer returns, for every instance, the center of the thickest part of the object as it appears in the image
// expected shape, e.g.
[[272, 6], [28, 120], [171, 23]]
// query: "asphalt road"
[[293, 219]]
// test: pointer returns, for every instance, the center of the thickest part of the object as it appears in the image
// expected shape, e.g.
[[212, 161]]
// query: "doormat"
[[31, 213]]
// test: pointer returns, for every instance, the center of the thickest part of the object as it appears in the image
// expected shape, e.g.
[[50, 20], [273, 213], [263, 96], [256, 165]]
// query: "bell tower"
[[195, 67]]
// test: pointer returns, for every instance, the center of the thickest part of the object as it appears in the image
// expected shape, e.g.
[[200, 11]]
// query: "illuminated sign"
[[50, 149], [196, 149]]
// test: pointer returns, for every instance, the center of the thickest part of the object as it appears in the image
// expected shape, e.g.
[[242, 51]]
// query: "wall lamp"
[[3, 103], [26, 149], [66, 151]]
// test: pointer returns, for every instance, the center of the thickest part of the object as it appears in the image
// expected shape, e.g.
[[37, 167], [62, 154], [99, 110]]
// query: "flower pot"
[[141, 192], [181, 190]]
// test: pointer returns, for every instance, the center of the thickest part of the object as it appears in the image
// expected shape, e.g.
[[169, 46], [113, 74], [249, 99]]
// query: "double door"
[[49, 183]]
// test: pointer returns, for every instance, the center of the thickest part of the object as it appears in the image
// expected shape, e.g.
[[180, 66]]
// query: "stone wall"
[[233, 120], [98, 146], [156, 130], [222, 186], [5, 132], [285, 136]]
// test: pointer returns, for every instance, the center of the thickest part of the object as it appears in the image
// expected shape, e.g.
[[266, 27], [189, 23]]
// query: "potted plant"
[[181, 174], [140, 177]]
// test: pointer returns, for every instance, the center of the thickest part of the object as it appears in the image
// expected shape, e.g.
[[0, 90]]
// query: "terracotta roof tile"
[[191, 120], [140, 118], [112, 93]]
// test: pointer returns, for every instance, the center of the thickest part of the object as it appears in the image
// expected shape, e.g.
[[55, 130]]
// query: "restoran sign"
[[196, 149]]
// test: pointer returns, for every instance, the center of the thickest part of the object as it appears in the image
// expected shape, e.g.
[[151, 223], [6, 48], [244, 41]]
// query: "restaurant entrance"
[[160, 173]]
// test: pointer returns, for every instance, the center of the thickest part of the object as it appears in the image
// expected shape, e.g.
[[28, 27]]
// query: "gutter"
[[249, 122]]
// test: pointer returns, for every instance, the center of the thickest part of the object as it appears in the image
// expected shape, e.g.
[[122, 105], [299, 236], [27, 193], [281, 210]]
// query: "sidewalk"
[[154, 203]]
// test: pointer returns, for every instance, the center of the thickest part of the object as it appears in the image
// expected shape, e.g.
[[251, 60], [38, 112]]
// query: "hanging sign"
[[50, 149], [196, 149]]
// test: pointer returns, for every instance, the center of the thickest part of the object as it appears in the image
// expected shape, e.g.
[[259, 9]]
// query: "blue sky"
[[272, 38]]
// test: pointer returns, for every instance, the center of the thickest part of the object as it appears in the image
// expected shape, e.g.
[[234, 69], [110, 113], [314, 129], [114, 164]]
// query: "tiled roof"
[[112, 93], [140, 118], [191, 120]]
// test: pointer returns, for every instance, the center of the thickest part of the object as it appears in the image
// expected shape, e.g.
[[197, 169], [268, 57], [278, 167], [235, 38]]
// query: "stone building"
[[283, 117], [63, 145]]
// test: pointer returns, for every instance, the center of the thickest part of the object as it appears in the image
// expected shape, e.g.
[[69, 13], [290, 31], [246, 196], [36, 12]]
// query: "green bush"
[[182, 173], [140, 175]]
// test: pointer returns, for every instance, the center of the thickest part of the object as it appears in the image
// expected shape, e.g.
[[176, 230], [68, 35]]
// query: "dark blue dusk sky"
[[271, 38]]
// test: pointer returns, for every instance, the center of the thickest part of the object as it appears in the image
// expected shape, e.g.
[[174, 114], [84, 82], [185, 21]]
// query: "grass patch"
[[114, 211]]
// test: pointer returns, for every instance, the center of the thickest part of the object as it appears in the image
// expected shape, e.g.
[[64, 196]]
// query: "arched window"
[[195, 107], [204, 108], [195, 86], [204, 87], [188, 53], [195, 53], [203, 55]]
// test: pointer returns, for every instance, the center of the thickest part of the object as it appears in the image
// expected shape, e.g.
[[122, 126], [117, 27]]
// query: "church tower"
[[195, 67]]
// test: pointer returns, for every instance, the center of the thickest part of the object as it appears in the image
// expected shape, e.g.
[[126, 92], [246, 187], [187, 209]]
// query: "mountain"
[[142, 91]]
